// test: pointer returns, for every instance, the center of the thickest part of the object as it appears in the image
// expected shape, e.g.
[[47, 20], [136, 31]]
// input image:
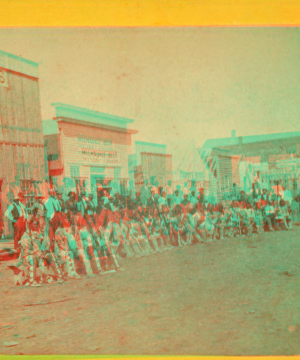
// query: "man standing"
[[52, 220], [17, 214], [144, 192], [169, 192], [61, 202], [71, 210], [86, 208]]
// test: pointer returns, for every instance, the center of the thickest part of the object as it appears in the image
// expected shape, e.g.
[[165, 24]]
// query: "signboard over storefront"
[[98, 151], [94, 150]]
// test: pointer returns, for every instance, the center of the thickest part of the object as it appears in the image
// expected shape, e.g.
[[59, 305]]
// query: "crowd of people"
[[60, 238]]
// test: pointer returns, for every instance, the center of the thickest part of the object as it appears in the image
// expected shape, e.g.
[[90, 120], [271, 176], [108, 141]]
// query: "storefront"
[[91, 149], [275, 156]]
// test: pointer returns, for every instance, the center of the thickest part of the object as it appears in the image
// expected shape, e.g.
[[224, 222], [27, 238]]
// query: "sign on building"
[[3, 73]]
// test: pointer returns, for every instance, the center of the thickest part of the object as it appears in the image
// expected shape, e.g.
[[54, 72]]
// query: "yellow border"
[[148, 12], [89, 13]]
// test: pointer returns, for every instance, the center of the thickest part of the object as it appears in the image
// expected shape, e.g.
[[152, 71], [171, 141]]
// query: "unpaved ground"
[[235, 297]]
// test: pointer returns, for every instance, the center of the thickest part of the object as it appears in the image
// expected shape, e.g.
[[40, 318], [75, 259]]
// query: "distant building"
[[88, 148], [237, 160], [22, 163], [150, 162]]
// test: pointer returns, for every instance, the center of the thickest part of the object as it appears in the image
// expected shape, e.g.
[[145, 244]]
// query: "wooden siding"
[[21, 136]]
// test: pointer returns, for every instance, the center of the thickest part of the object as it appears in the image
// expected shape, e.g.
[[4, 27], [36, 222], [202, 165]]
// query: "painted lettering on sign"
[[109, 157], [92, 142], [3, 73], [3, 78]]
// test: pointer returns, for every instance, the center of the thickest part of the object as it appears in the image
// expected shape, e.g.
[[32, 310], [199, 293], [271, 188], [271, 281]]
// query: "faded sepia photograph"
[[150, 191]]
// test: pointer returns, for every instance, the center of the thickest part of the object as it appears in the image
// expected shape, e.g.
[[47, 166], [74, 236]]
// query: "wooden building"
[[88, 148], [237, 160], [150, 162], [21, 137]]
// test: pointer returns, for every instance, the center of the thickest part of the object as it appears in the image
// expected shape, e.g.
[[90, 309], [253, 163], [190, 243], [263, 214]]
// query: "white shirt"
[[51, 205]]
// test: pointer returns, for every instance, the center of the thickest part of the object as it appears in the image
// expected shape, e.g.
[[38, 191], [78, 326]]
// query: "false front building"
[[87, 148], [22, 165]]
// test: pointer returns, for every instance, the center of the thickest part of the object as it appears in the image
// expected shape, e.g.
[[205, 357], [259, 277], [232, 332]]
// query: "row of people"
[[78, 241]]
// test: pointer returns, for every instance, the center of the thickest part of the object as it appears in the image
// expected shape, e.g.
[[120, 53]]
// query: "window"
[[117, 174], [74, 172], [52, 157]]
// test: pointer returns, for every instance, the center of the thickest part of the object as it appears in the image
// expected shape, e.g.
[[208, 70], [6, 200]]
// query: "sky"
[[176, 83]]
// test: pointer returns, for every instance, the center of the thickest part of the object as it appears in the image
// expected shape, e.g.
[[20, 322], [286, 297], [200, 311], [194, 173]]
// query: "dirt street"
[[234, 297]]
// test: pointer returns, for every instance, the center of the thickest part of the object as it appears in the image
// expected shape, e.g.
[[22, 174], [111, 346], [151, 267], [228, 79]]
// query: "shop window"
[[74, 172], [117, 174]]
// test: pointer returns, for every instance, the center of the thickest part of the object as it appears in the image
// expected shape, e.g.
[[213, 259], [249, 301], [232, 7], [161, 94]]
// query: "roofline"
[[19, 65], [84, 111], [281, 136], [20, 58], [149, 143], [92, 124]]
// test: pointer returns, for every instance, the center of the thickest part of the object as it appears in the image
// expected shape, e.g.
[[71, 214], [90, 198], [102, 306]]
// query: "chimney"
[[233, 133]]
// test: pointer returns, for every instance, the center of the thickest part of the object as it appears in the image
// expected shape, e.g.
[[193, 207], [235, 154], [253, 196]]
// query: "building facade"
[[22, 165], [236, 160], [149, 163], [88, 148]]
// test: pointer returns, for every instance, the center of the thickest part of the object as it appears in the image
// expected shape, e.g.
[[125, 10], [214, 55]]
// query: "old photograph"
[[150, 191]]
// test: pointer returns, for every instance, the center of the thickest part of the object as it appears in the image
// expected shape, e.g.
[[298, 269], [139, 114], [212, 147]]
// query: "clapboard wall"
[[70, 151], [21, 136]]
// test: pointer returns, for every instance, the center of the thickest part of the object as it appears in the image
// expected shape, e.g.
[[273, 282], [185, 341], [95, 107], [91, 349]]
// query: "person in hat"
[[286, 216], [137, 235], [33, 253], [185, 188], [16, 212], [144, 192], [258, 219], [52, 216], [193, 198], [119, 242], [269, 215], [190, 221], [264, 197], [105, 223], [91, 210], [100, 205], [201, 197], [85, 208], [89, 255], [61, 202], [65, 261], [162, 200], [71, 209], [66, 187], [169, 191], [126, 231], [152, 199], [176, 227], [176, 198]]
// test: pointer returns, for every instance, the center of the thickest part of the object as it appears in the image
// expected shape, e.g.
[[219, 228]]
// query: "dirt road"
[[234, 297]]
